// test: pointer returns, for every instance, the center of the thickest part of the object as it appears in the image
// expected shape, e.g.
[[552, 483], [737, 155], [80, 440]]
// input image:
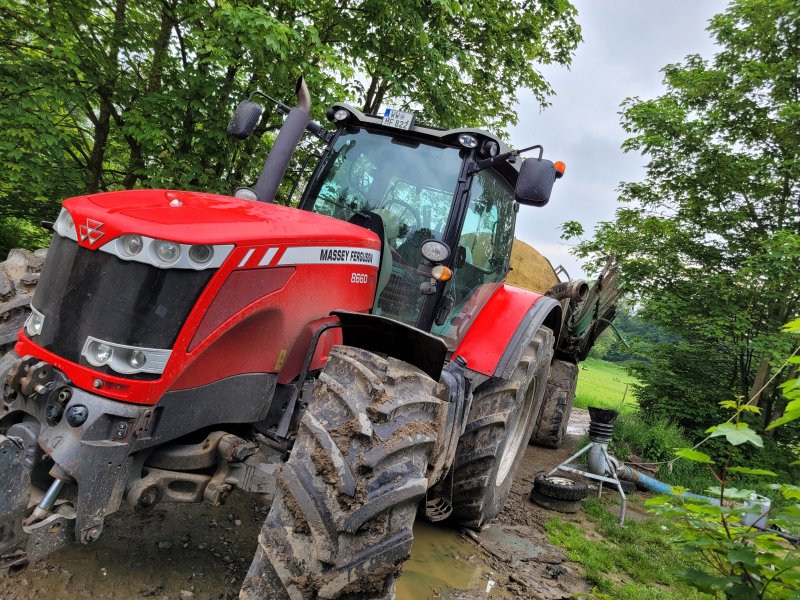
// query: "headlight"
[[64, 225], [201, 254], [435, 251], [34, 323], [131, 245], [467, 140], [167, 252]]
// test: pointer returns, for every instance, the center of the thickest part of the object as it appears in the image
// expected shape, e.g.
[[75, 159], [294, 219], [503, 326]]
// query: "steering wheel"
[[358, 174], [407, 208]]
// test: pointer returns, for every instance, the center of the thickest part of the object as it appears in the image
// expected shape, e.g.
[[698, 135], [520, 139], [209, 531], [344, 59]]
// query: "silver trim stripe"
[[330, 255], [247, 257], [268, 256]]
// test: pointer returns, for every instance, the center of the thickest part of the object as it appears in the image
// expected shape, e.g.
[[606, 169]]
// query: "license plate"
[[398, 119]]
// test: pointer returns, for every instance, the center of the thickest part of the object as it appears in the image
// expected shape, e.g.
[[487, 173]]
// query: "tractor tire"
[[562, 506], [557, 405], [19, 274], [341, 523], [561, 488], [501, 418]]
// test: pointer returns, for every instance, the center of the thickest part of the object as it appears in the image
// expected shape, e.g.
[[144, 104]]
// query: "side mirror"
[[244, 119], [535, 182]]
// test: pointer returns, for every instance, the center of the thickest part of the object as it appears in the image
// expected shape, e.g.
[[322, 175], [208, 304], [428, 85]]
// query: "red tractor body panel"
[[259, 310], [491, 334]]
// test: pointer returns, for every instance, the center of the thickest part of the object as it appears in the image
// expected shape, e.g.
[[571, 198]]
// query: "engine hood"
[[198, 218]]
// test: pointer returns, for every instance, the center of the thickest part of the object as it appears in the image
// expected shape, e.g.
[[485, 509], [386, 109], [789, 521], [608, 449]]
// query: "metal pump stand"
[[602, 467]]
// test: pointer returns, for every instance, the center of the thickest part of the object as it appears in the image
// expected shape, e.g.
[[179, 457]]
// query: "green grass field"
[[602, 383]]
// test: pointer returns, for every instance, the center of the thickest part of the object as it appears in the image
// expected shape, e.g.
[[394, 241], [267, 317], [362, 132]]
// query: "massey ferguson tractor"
[[352, 361]]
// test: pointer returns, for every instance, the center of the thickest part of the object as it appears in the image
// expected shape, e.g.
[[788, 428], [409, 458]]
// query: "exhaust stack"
[[285, 143]]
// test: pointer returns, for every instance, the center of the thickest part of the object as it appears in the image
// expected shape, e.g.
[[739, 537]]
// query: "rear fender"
[[496, 341]]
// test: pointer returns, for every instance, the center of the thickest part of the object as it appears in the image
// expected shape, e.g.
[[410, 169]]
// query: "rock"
[[186, 595], [164, 545]]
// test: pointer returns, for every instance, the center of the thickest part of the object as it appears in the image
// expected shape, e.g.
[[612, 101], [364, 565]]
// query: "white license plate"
[[398, 119]]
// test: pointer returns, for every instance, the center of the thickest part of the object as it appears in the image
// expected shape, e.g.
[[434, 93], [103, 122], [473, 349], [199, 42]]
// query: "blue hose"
[[652, 484]]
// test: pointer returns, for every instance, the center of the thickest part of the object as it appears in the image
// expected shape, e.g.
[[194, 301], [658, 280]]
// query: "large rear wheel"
[[557, 404], [341, 523], [501, 418]]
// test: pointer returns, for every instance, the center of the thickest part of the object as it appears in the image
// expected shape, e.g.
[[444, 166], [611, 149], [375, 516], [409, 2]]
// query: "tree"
[[709, 241], [97, 95]]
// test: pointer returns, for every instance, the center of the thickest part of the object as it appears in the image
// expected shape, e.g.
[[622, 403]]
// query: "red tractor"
[[350, 361]]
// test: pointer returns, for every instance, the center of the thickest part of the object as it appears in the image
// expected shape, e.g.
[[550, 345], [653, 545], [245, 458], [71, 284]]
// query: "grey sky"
[[626, 44]]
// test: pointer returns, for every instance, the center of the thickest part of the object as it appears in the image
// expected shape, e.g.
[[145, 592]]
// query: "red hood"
[[197, 218]]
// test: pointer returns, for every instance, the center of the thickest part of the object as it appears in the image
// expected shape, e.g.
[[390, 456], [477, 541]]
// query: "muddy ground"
[[203, 552]]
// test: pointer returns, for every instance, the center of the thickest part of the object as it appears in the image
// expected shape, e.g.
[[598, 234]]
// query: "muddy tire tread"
[[495, 406], [341, 523], [557, 405]]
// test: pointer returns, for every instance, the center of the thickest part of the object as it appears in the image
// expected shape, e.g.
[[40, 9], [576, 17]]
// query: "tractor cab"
[[442, 201]]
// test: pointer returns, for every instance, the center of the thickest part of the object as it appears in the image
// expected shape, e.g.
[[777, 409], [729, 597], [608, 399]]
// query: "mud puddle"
[[442, 559]]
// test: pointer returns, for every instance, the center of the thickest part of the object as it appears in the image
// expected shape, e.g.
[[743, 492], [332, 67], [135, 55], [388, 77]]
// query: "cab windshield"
[[409, 186]]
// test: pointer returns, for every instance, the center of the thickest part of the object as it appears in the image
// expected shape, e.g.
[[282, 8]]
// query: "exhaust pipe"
[[574, 290], [285, 143]]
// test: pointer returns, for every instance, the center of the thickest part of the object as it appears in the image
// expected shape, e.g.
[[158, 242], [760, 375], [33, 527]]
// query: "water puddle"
[[440, 559]]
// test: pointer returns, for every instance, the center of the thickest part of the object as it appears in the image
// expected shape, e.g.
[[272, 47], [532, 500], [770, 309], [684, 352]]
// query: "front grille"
[[86, 293]]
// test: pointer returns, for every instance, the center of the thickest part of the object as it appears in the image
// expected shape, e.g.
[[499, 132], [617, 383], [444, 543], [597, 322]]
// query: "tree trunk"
[[106, 92]]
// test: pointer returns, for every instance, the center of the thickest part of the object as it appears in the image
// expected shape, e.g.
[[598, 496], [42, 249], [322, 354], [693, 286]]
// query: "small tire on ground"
[[501, 418], [564, 506], [557, 404], [341, 523], [560, 488]]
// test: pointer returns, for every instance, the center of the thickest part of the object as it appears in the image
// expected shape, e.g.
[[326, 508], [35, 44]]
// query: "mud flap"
[[15, 488]]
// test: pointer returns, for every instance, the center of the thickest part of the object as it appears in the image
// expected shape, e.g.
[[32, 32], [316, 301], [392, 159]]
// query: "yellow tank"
[[530, 269]]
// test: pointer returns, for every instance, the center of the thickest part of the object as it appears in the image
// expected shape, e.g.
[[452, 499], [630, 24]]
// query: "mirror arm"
[[479, 166], [313, 127]]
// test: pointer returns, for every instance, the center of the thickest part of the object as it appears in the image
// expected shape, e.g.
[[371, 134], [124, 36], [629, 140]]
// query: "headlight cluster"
[[167, 254], [125, 359]]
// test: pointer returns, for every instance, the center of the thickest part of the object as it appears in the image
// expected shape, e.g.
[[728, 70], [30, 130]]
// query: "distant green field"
[[602, 383]]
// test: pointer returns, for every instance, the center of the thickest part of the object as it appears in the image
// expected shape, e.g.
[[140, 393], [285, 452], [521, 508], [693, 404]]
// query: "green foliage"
[[656, 440], [739, 560], [638, 334], [639, 554], [604, 384], [709, 241], [99, 95]]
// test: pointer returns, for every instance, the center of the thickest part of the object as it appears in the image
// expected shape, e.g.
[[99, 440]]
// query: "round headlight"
[[137, 359], [167, 252], [101, 352], [201, 254], [490, 147], [341, 115], [132, 244], [467, 140], [435, 251]]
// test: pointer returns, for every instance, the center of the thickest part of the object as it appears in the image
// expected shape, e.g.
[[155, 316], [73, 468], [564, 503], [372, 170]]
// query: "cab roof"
[[509, 170]]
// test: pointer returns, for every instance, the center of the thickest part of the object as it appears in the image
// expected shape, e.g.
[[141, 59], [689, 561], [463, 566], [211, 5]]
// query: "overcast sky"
[[625, 45]]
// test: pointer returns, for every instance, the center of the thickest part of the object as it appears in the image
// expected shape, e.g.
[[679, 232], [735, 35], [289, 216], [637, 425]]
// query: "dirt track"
[[203, 552]]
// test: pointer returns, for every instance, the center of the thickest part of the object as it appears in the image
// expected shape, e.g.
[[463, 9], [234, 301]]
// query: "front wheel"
[[341, 523], [501, 418]]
